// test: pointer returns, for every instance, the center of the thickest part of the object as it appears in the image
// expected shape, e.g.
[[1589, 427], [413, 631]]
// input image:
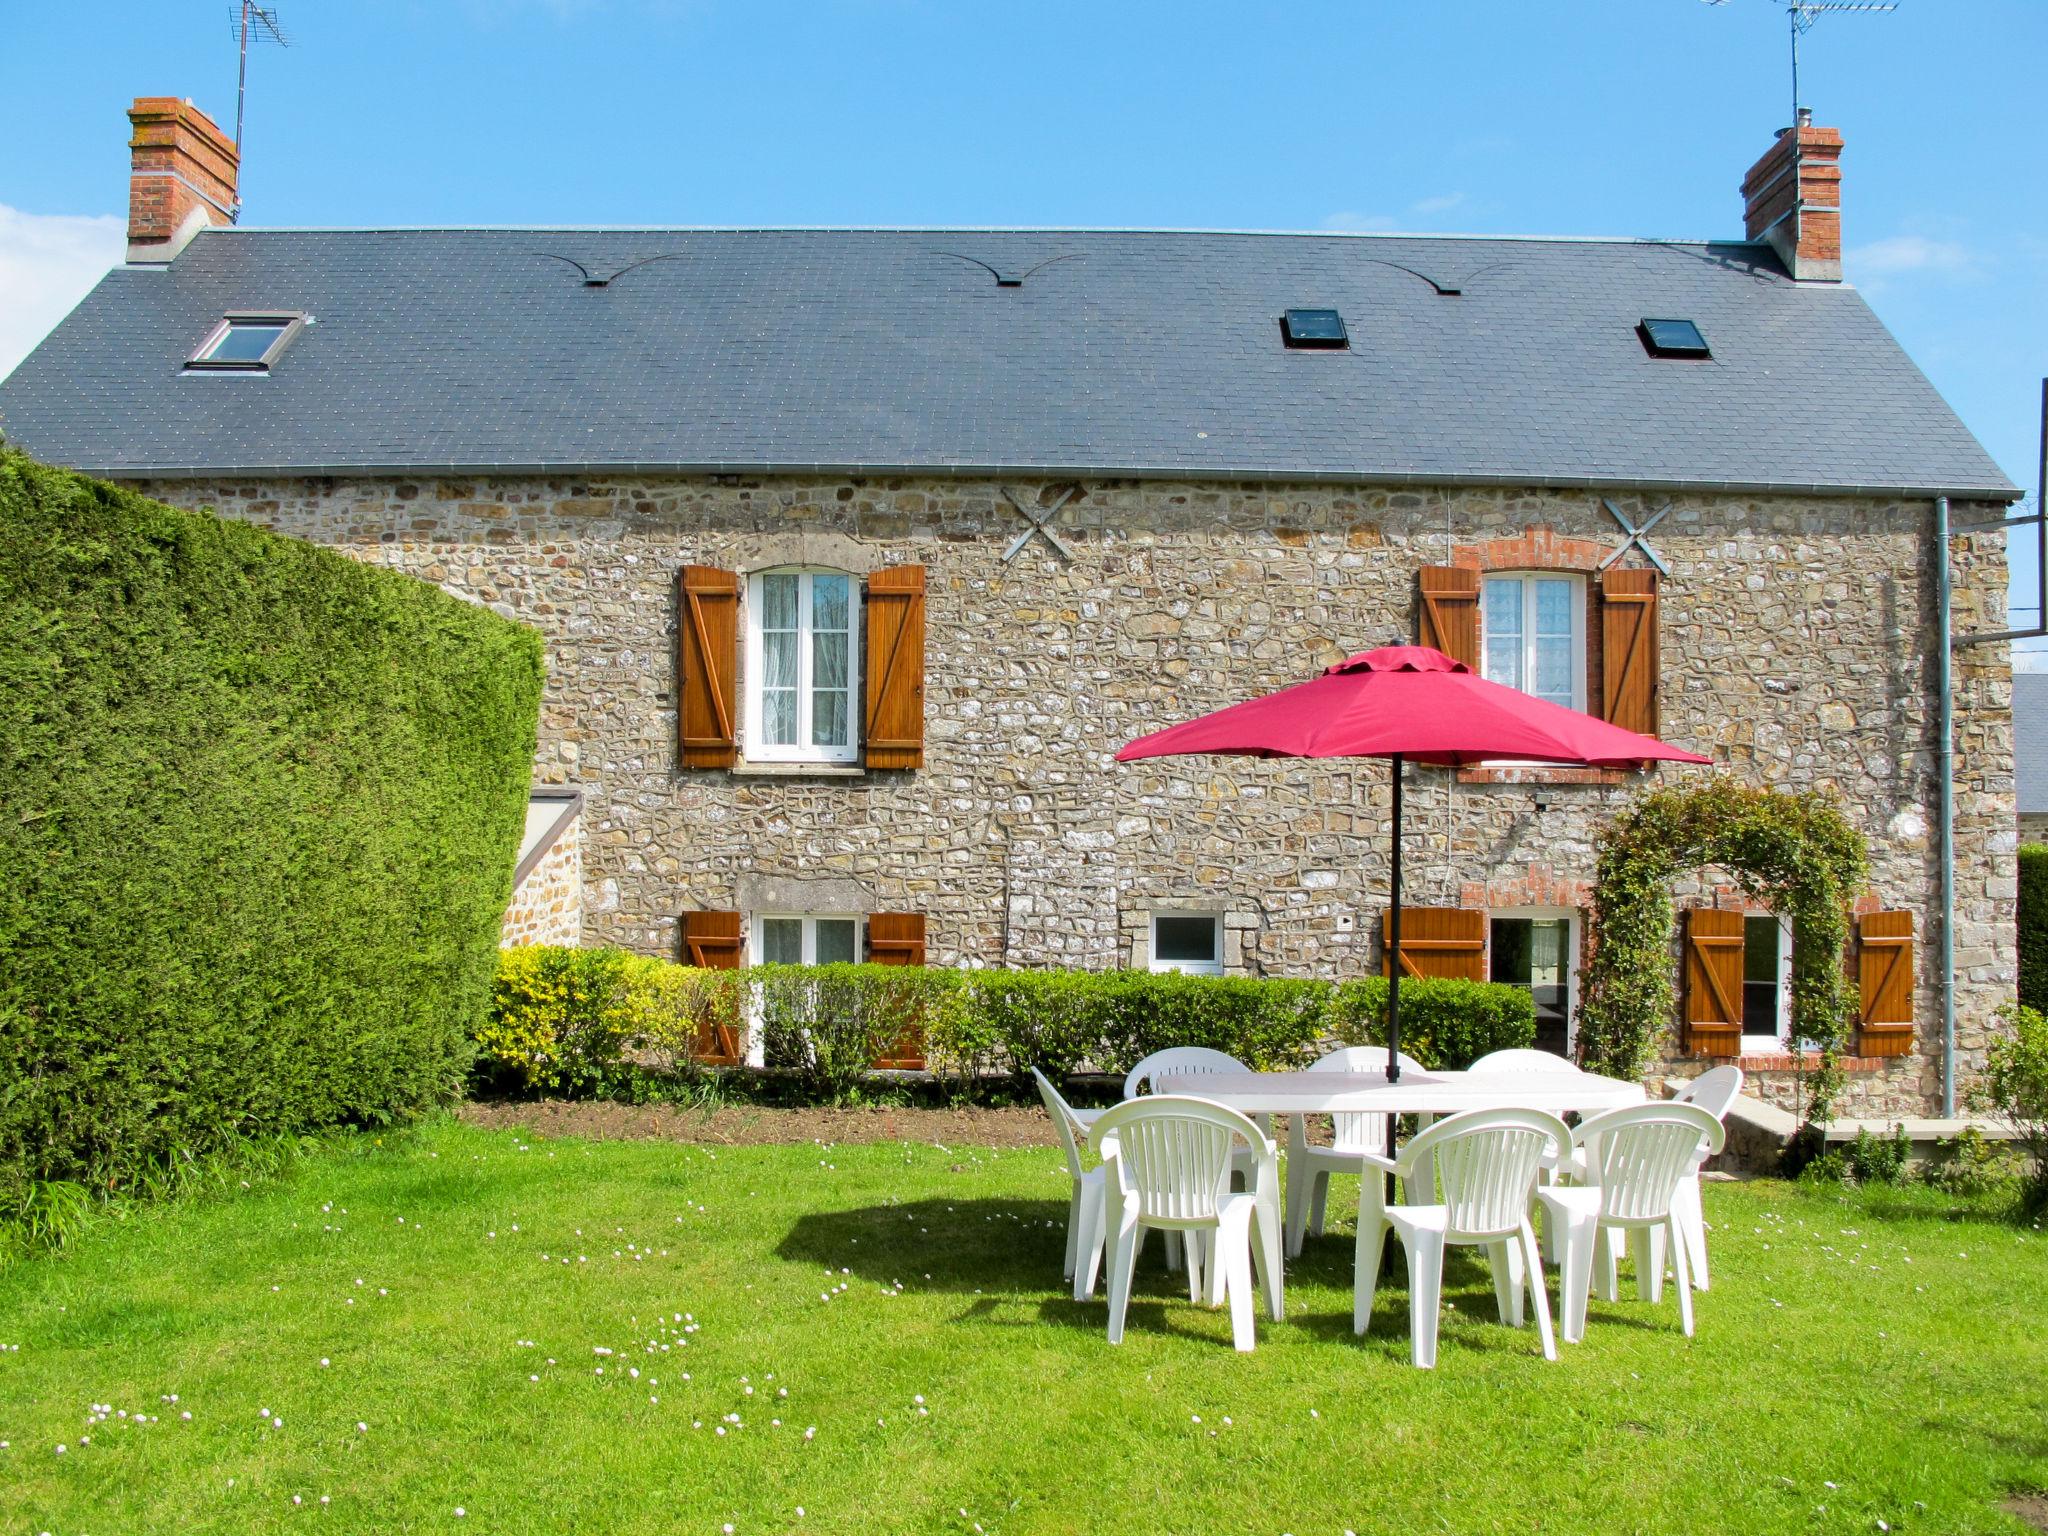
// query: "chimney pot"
[[1792, 198], [181, 177]]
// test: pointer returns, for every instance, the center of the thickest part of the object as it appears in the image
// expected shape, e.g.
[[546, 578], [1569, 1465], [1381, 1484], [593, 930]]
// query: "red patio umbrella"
[[1405, 702]]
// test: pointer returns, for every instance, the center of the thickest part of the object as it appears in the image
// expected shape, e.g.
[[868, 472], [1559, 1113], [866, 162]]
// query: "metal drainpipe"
[[1945, 774]]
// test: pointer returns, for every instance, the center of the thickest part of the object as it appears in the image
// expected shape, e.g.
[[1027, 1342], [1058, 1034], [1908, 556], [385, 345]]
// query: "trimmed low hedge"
[[566, 1018], [2033, 925], [261, 805]]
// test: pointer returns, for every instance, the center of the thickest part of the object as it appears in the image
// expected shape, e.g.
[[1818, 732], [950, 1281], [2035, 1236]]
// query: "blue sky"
[[1598, 117]]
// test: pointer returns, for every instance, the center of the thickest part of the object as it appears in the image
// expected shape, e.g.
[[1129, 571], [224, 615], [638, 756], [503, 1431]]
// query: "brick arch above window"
[[1537, 886], [1533, 549]]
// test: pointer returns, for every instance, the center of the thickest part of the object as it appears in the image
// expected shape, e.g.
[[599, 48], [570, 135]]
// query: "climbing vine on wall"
[[1796, 854]]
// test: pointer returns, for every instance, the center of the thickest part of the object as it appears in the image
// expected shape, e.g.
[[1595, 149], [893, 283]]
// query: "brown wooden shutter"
[[895, 667], [1439, 941], [1628, 650], [1884, 972], [897, 938], [707, 665], [1447, 614], [1713, 982], [712, 940]]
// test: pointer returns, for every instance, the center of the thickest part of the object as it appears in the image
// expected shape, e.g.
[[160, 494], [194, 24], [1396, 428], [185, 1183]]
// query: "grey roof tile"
[[765, 350]]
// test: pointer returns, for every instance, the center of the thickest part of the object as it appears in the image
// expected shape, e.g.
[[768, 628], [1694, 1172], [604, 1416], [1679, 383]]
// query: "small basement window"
[[1314, 328], [249, 342], [1188, 941], [1673, 338]]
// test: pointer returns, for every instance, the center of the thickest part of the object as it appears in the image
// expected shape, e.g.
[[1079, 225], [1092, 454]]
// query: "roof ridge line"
[[959, 229]]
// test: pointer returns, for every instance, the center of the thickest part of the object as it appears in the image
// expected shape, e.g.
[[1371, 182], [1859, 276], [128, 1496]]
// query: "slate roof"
[[895, 350], [2030, 738]]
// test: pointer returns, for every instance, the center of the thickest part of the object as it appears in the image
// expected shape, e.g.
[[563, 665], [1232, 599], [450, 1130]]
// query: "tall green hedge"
[[2033, 920], [259, 808]]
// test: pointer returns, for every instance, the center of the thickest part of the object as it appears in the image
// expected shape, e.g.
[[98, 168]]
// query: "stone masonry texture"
[[547, 906], [1798, 650]]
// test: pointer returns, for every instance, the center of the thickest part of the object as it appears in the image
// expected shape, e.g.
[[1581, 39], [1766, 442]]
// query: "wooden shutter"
[[712, 940], [1628, 650], [1447, 614], [897, 938], [1884, 972], [1438, 941], [707, 665], [895, 667], [1713, 982]]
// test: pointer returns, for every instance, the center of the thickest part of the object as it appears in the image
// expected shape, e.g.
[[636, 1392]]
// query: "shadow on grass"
[[1001, 1252]]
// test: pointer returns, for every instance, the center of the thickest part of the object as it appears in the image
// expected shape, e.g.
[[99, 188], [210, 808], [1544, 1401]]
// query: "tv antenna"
[[1800, 15], [248, 18]]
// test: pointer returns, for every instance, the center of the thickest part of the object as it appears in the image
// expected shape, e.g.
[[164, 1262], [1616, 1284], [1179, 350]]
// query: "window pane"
[[828, 660], [828, 718], [1184, 939], [1509, 946], [244, 343], [835, 940], [778, 716], [1502, 626], [1554, 608], [1551, 663], [778, 601], [782, 940], [778, 660], [1547, 951], [828, 602], [1760, 949], [1760, 939]]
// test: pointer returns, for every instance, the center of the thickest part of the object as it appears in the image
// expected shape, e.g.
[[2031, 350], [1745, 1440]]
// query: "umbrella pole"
[[1394, 972]]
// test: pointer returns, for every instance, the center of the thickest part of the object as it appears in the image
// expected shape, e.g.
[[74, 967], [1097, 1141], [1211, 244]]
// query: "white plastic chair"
[[1714, 1091], [1201, 1059], [1310, 1165], [1178, 1058], [1486, 1160], [1630, 1162], [1546, 1063], [1169, 1160], [1084, 1208]]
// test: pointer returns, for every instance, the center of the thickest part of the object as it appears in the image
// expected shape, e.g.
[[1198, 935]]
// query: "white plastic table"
[[1417, 1093]]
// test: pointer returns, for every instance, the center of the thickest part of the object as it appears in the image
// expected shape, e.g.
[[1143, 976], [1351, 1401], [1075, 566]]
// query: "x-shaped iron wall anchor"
[[1636, 539], [1041, 525]]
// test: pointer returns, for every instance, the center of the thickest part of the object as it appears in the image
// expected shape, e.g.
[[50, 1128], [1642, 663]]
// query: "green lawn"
[[359, 1334]]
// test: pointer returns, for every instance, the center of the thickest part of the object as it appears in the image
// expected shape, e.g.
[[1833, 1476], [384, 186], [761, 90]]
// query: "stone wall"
[[547, 906], [2034, 826], [1797, 650]]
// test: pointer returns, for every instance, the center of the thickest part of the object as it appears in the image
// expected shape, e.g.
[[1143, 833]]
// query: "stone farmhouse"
[[859, 551]]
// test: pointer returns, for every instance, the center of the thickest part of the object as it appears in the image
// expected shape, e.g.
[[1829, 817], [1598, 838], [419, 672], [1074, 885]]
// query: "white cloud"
[[1375, 223], [1380, 223], [48, 262], [1908, 253]]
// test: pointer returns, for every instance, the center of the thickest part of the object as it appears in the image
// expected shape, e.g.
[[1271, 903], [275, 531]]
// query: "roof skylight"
[[1314, 328], [1673, 338], [248, 342]]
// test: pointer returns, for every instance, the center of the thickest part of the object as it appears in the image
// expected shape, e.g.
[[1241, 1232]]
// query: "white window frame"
[[757, 748], [757, 933], [1528, 579], [1780, 1043], [1185, 967], [1571, 959], [291, 322]]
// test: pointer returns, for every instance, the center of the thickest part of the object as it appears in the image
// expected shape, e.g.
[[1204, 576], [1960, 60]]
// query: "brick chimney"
[[181, 177], [1792, 197]]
